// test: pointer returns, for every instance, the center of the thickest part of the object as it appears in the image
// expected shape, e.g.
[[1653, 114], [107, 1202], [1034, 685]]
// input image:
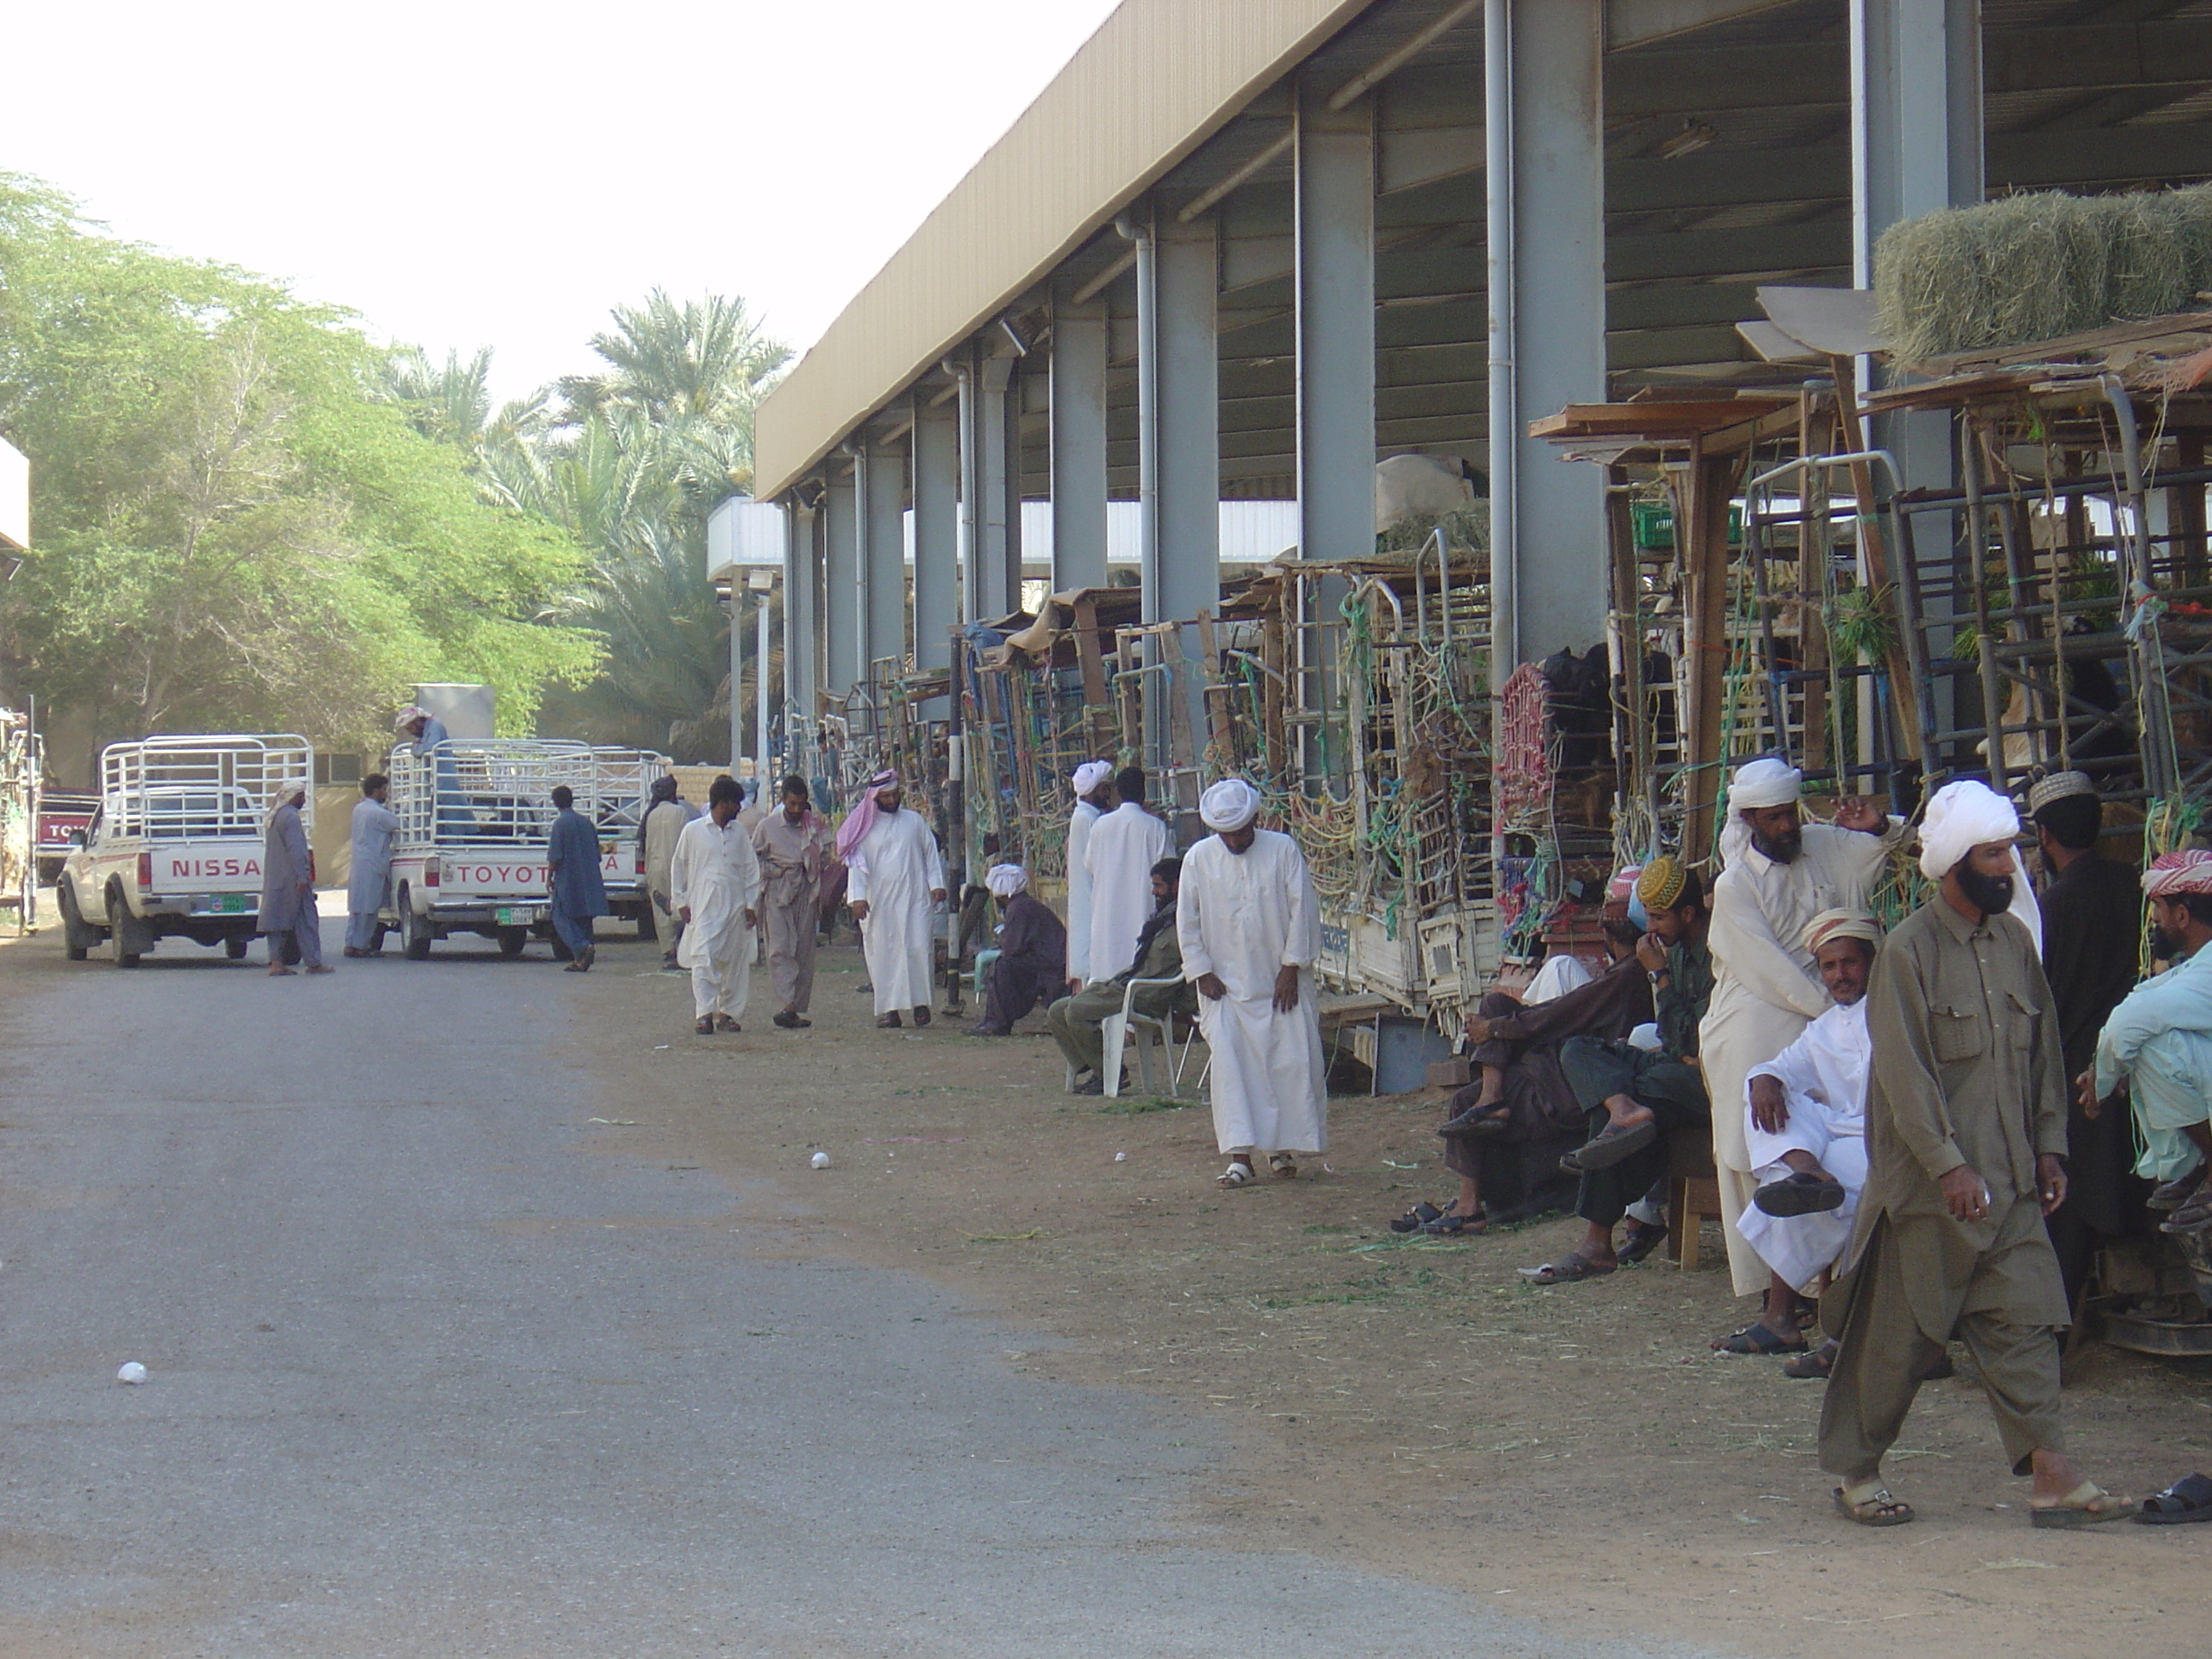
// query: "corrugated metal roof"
[[1159, 78]]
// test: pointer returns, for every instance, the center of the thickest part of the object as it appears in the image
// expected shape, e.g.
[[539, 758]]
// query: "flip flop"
[[1417, 1217], [1452, 1226], [1801, 1193], [1613, 1144], [1757, 1338], [1870, 1503], [2172, 1194], [1477, 1123], [2187, 1499], [2079, 1509], [1239, 1174], [1567, 1270], [1638, 1242], [2191, 1216], [1283, 1166], [1813, 1367]]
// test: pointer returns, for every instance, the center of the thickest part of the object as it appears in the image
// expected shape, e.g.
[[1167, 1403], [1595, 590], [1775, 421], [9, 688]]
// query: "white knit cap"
[[1229, 804]]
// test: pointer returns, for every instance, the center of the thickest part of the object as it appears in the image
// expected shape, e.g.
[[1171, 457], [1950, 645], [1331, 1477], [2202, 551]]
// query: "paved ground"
[[433, 1372]]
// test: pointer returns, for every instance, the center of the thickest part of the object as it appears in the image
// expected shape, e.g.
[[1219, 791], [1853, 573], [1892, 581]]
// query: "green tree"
[[236, 527]]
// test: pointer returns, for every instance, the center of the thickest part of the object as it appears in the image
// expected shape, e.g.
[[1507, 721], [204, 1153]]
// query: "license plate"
[[230, 904], [509, 917]]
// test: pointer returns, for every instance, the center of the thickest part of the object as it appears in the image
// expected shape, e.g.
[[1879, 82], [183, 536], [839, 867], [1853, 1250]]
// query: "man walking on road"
[[1250, 928], [715, 883], [896, 882], [664, 821], [1966, 1145], [572, 877], [288, 886], [1122, 849], [792, 845], [368, 872]]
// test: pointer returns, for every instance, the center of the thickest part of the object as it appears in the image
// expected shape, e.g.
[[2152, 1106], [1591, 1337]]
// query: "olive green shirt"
[[1966, 1069], [1682, 1001]]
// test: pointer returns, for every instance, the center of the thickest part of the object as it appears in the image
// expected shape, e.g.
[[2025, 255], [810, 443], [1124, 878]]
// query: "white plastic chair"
[[1152, 1032]]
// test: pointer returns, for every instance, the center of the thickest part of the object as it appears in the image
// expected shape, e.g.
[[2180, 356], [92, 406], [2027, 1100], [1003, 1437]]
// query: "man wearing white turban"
[[1805, 1123], [1094, 791], [1124, 846], [1032, 952], [1249, 925], [1781, 872], [1965, 1142]]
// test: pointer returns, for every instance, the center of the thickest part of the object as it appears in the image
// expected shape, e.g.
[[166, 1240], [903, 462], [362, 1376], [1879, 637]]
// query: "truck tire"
[[235, 945], [512, 939], [414, 929], [120, 930], [78, 935]]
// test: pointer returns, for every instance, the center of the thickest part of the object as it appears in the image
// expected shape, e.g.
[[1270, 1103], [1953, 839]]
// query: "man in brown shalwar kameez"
[[1965, 1126], [792, 845]]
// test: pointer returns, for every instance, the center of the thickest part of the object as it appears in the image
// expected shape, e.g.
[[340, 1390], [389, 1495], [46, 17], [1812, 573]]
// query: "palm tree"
[[703, 361]]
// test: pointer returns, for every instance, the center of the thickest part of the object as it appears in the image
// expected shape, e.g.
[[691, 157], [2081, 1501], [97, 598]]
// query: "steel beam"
[[1078, 444], [936, 533], [1335, 325], [840, 579], [1184, 571], [882, 474]]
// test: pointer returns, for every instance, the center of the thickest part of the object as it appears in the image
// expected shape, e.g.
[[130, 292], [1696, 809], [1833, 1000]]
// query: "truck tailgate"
[[205, 867], [511, 874]]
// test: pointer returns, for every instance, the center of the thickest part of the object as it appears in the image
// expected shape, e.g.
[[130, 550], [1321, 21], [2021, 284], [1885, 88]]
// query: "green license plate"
[[508, 918], [230, 904]]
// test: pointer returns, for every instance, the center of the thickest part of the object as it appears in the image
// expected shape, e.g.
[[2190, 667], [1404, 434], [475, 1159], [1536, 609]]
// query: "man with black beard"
[[1965, 1129]]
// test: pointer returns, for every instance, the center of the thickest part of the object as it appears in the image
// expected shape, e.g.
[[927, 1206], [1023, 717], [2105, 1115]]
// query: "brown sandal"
[[1870, 1503]]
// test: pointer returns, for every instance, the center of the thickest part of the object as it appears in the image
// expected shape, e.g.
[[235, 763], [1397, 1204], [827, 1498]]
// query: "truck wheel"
[[646, 926], [414, 929], [235, 945], [118, 931], [78, 936], [512, 939]]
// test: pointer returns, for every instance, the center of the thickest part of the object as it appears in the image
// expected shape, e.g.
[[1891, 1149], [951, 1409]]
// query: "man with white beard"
[[1250, 926], [714, 883], [1124, 846], [1094, 787], [898, 882], [1779, 873]]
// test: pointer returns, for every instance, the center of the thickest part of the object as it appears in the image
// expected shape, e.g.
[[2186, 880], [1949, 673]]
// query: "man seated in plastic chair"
[[1077, 1021]]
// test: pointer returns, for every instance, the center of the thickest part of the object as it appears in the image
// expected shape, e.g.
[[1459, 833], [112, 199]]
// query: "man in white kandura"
[[1124, 846], [1805, 1127], [715, 882], [1250, 928], [1094, 789], [1779, 873], [896, 883]]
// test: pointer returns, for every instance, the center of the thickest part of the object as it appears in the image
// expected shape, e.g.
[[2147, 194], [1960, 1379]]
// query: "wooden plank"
[[1701, 506], [1904, 684], [1682, 419], [1218, 691], [1179, 738]]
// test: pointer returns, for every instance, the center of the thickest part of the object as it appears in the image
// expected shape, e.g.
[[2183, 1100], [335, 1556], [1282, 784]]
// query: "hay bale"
[[2036, 266]]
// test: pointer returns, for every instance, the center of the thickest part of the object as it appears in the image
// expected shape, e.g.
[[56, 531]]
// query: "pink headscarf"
[[862, 818]]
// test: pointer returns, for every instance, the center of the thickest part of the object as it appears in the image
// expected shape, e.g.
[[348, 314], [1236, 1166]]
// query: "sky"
[[480, 173]]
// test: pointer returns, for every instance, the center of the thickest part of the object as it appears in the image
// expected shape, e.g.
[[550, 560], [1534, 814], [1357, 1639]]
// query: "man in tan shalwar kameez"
[[1965, 1131], [1780, 874]]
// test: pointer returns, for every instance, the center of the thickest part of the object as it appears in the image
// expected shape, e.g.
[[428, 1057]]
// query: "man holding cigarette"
[[1965, 1144]]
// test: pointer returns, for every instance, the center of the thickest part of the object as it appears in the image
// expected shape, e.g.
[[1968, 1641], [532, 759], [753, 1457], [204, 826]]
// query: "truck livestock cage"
[[621, 790], [174, 848], [475, 813]]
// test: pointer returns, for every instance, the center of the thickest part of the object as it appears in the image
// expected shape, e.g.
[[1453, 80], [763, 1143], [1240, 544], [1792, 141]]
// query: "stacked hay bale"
[[2037, 266]]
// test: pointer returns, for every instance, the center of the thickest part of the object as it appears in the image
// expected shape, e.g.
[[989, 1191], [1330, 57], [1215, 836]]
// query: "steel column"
[[1184, 574], [802, 564], [841, 582], [1078, 443], [936, 536], [1546, 177], [883, 529], [984, 429]]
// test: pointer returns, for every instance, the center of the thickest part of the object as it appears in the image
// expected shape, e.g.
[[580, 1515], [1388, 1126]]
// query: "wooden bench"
[[1693, 1192]]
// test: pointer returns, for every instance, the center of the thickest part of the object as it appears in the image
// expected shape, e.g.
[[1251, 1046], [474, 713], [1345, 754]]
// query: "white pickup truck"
[[471, 856], [174, 850], [622, 789]]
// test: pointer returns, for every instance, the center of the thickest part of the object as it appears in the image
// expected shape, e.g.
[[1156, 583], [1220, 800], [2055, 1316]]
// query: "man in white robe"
[[1094, 785], [665, 818], [376, 827], [714, 882], [898, 882], [1780, 874], [1250, 926], [1804, 1115], [1124, 846]]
